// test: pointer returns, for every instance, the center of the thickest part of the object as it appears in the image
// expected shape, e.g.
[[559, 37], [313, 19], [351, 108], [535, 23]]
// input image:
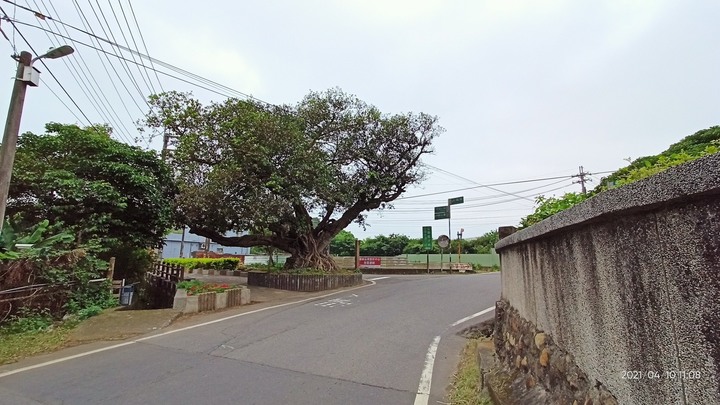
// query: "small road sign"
[[427, 237], [456, 200], [442, 212]]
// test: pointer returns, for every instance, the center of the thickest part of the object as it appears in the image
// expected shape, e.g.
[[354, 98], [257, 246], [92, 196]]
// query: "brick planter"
[[303, 282], [210, 301]]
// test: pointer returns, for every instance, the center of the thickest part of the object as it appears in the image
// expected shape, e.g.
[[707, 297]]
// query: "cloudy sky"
[[525, 89]]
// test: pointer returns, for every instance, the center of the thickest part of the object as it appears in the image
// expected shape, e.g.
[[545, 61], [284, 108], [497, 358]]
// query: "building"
[[171, 246]]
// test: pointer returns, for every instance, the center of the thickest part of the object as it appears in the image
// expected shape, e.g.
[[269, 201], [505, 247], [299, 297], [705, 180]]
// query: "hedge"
[[227, 263]]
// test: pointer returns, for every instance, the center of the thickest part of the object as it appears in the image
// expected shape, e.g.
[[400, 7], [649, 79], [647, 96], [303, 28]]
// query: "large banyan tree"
[[292, 177]]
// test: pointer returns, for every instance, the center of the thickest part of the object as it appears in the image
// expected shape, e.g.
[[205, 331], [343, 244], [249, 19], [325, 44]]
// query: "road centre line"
[[103, 349], [377, 278], [475, 315]]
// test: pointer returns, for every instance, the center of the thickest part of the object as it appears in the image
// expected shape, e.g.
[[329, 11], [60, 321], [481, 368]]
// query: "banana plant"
[[10, 239]]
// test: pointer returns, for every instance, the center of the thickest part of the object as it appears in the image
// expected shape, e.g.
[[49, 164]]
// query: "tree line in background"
[[394, 244]]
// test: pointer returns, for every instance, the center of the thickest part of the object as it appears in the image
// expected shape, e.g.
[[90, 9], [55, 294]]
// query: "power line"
[[99, 50], [132, 36], [125, 66], [486, 185], [142, 39], [92, 83], [122, 32], [84, 85], [155, 60], [60, 100], [47, 68]]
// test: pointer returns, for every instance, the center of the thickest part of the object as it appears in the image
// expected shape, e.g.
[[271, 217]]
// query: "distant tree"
[[100, 189], [343, 244], [382, 245], [269, 170], [482, 244], [415, 246]]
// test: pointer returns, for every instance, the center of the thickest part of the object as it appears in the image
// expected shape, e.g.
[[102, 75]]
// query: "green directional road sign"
[[427, 237], [442, 212], [456, 200]]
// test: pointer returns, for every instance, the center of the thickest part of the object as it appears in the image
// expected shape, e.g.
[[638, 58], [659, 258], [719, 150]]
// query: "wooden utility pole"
[[357, 254], [12, 128]]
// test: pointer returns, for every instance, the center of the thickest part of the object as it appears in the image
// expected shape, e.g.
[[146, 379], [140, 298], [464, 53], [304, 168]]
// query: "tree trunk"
[[311, 253]]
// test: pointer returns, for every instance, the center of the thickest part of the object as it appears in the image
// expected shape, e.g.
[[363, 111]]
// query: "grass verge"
[[465, 388], [15, 346]]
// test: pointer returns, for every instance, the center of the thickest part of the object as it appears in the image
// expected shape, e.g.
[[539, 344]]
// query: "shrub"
[[226, 263], [28, 321]]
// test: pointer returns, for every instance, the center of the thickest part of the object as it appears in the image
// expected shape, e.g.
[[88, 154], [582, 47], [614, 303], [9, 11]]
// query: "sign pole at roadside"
[[427, 244], [452, 201]]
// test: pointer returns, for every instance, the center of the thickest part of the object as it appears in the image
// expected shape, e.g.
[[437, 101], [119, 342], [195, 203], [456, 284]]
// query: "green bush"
[[225, 263], [28, 321]]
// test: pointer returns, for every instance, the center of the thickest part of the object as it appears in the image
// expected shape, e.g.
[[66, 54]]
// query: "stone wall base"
[[543, 373]]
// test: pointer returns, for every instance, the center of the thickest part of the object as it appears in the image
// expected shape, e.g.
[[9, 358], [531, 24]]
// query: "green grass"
[[465, 388], [15, 346]]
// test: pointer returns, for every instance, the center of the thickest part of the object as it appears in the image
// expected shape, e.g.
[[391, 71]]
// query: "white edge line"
[[475, 315], [377, 278], [103, 349], [423, 393]]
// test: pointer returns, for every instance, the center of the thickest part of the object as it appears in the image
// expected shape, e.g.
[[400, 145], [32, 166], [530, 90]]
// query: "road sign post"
[[427, 244], [451, 201]]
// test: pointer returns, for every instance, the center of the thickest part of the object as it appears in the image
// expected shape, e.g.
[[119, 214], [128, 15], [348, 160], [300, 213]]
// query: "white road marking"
[[103, 349], [475, 315], [334, 302], [423, 393], [377, 278]]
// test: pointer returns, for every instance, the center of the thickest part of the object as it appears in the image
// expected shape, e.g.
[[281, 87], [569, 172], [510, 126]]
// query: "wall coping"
[[688, 181]]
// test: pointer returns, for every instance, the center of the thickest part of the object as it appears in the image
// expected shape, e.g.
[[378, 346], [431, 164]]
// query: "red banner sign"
[[370, 261]]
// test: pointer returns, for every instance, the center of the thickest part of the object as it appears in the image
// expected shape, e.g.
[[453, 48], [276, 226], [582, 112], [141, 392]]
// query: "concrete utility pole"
[[25, 76], [164, 155], [582, 179], [12, 128]]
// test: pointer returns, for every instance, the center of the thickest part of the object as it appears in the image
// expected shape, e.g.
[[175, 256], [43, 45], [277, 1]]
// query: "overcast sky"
[[525, 89]]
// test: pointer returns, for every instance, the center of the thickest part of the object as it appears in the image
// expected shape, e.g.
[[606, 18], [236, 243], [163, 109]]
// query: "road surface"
[[391, 342]]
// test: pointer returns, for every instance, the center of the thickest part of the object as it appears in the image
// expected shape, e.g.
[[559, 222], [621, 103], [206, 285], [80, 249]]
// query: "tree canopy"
[[244, 165], [97, 188]]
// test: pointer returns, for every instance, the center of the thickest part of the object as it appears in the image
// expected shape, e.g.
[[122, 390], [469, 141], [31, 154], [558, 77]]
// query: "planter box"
[[303, 282], [210, 301]]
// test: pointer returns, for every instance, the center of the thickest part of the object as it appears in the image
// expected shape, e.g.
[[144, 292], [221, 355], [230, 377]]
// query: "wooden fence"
[[303, 282], [162, 284]]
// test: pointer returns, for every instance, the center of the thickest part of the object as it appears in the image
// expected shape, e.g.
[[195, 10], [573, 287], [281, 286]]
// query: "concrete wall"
[[629, 281]]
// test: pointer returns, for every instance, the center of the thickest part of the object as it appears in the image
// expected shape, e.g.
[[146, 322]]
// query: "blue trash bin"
[[126, 294]]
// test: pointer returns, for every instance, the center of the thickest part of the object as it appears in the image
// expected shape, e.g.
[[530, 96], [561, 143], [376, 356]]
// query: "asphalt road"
[[364, 346]]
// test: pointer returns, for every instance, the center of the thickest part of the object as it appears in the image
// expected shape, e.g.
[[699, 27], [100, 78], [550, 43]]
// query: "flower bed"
[[195, 287], [210, 301]]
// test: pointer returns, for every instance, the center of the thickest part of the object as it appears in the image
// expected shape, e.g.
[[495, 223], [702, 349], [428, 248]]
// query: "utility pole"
[[582, 179], [12, 128], [164, 155]]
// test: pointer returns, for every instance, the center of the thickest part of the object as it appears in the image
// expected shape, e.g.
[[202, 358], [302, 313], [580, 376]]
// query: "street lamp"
[[26, 75]]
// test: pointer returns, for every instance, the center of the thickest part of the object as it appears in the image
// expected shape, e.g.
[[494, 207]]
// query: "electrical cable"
[[132, 36], [127, 43], [85, 23], [48, 69], [142, 39], [125, 65], [85, 87], [155, 60]]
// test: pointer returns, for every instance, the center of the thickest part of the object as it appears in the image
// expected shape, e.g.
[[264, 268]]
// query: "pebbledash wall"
[[618, 299]]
